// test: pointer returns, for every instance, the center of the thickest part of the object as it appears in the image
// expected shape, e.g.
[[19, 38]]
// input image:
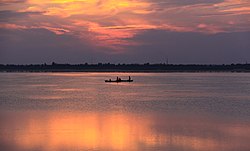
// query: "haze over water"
[[158, 111]]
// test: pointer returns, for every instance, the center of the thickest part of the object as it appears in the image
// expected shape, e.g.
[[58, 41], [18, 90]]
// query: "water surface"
[[159, 111]]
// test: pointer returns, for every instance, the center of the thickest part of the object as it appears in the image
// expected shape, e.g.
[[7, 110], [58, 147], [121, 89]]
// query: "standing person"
[[129, 78]]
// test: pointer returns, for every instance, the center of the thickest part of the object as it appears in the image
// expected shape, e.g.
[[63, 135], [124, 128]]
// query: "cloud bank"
[[105, 28]]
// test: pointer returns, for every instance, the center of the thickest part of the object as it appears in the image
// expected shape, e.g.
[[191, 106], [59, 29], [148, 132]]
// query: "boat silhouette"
[[120, 80]]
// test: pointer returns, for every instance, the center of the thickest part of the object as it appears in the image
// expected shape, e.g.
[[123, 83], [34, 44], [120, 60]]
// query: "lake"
[[158, 111]]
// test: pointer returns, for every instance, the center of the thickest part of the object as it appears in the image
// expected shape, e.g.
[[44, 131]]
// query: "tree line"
[[108, 67]]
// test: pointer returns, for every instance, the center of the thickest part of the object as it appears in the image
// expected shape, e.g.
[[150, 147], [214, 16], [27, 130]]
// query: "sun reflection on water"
[[116, 131]]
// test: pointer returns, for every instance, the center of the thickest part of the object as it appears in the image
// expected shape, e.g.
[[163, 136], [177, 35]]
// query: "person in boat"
[[117, 79], [129, 78]]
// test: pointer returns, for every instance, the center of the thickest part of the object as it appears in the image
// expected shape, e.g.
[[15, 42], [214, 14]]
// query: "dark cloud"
[[189, 47], [186, 31], [41, 45], [7, 15], [184, 2], [6, 2]]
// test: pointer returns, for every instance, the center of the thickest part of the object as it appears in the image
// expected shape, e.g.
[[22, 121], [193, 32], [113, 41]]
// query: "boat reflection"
[[118, 131]]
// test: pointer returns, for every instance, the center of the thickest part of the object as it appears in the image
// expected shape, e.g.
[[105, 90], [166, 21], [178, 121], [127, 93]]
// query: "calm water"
[[159, 111]]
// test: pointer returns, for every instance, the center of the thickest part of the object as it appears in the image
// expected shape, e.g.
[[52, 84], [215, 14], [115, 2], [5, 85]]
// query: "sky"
[[125, 31]]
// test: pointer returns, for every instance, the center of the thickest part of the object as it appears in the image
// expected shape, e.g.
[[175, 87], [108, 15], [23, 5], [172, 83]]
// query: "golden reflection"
[[117, 131], [85, 131]]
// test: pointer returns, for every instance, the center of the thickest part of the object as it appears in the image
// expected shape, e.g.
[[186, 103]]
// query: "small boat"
[[119, 80]]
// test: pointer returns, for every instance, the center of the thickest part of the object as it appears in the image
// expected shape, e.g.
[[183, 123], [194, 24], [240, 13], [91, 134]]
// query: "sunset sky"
[[124, 31]]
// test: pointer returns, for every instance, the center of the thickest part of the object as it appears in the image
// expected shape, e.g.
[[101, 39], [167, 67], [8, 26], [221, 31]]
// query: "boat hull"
[[108, 81]]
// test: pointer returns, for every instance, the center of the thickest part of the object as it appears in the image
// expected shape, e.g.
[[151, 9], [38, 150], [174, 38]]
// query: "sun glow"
[[68, 8], [114, 24], [97, 17]]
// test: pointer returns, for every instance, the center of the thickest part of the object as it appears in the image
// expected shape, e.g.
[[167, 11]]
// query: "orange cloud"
[[67, 8], [112, 23]]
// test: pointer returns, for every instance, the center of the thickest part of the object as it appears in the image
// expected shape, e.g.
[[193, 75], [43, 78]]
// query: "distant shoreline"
[[83, 71], [140, 68]]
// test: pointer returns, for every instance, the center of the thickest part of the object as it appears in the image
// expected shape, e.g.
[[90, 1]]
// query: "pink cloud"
[[211, 29], [56, 30], [12, 26], [112, 23]]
